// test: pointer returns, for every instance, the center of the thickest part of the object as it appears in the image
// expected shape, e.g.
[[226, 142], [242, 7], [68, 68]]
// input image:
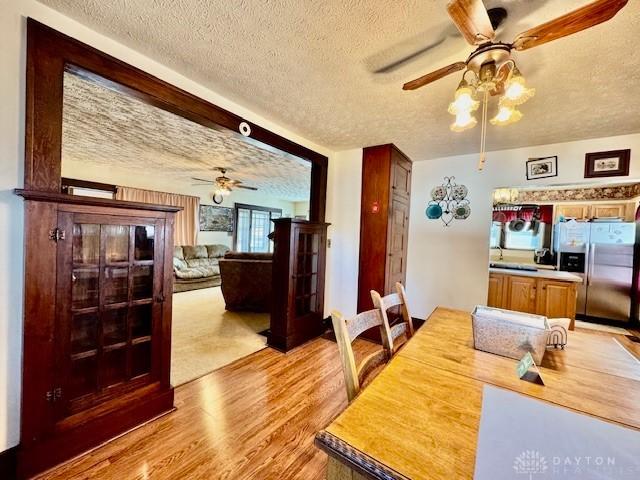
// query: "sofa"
[[196, 266], [246, 281]]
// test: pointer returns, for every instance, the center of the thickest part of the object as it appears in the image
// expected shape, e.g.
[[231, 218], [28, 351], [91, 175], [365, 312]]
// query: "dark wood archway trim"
[[50, 53]]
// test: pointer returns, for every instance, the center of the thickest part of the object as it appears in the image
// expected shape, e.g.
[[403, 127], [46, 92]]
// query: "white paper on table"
[[524, 438]]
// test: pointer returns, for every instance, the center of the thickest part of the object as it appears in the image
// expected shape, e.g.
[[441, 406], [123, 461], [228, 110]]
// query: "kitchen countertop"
[[550, 274]]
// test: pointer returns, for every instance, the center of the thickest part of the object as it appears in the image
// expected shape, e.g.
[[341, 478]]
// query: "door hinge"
[[54, 395], [56, 235]]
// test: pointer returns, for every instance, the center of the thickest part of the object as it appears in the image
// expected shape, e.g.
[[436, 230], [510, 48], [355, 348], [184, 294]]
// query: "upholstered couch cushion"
[[194, 262]]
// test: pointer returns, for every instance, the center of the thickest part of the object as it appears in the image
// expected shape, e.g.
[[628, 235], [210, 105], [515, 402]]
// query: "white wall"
[[449, 266], [301, 209], [343, 212], [12, 89], [164, 183]]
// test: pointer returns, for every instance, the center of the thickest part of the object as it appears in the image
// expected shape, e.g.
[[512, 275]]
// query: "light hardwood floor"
[[253, 419]]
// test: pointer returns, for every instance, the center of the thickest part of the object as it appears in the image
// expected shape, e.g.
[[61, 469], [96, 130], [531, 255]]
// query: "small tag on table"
[[528, 370]]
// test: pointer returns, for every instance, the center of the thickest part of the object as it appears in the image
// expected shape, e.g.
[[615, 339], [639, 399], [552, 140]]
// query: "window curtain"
[[186, 225], [505, 215]]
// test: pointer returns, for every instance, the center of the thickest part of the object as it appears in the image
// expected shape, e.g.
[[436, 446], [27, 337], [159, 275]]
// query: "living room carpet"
[[206, 337]]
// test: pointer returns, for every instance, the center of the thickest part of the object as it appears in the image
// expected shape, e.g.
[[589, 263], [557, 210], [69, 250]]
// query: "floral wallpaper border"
[[620, 192]]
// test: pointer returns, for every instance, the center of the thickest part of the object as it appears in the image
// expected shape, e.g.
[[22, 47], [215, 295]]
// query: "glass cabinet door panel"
[[84, 333], [140, 320], [144, 242], [140, 359], [113, 367], [116, 243], [86, 244], [83, 377], [114, 326], [84, 290], [116, 284], [142, 282]]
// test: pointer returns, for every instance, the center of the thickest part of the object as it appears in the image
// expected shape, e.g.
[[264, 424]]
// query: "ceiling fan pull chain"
[[483, 133]]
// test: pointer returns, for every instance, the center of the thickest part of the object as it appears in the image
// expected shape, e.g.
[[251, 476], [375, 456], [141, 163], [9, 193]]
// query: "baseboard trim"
[[9, 463]]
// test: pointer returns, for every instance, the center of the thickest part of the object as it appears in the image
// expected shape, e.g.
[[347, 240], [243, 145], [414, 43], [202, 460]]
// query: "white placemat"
[[528, 439]]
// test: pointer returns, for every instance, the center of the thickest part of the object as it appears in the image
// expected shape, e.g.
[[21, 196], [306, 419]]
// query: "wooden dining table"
[[419, 418]]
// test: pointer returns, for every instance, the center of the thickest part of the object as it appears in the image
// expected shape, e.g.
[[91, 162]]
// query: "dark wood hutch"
[[98, 272]]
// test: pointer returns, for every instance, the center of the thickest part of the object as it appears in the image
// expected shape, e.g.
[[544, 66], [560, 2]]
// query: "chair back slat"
[[347, 330], [362, 322], [393, 300]]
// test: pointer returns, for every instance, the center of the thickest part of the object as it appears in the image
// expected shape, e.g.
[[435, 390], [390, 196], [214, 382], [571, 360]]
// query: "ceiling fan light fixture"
[[224, 191], [506, 116], [464, 99], [464, 121], [515, 91]]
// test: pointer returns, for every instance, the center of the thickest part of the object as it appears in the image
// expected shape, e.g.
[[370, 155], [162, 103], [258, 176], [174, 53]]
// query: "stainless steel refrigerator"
[[602, 253]]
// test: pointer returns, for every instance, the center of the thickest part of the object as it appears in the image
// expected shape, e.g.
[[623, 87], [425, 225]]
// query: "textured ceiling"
[[310, 66], [104, 127]]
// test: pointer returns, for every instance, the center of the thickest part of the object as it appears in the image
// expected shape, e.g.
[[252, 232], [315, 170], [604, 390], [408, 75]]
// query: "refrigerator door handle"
[[592, 261]]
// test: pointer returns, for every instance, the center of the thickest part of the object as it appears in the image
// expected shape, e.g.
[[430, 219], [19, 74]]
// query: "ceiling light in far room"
[[515, 91], [506, 116], [224, 191], [503, 196]]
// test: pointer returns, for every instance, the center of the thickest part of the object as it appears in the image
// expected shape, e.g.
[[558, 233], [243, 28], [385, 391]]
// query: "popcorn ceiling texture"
[[309, 65], [104, 127]]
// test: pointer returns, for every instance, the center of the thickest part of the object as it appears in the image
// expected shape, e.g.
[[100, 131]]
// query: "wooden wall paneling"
[[39, 318]]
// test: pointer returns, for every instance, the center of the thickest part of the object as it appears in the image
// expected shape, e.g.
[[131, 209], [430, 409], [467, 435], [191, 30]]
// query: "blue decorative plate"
[[433, 212]]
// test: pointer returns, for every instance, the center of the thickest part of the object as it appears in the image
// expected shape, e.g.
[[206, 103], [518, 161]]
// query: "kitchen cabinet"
[[556, 299], [496, 289], [541, 296], [586, 211], [520, 294]]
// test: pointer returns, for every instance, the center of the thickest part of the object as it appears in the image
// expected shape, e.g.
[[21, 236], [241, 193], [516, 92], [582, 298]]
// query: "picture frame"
[[542, 167], [613, 163], [213, 218]]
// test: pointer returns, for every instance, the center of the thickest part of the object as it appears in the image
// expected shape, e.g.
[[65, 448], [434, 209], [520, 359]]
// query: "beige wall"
[[12, 89], [448, 266]]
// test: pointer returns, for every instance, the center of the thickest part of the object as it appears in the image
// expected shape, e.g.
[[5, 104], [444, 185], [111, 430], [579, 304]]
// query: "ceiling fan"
[[490, 66], [224, 185]]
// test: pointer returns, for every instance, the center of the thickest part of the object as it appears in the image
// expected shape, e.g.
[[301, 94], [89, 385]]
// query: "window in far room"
[[253, 225]]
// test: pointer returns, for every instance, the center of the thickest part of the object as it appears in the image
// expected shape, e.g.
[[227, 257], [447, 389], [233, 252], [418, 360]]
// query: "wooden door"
[[400, 175], [398, 231], [110, 281], [557, 299], [521, 294], [496, 289]]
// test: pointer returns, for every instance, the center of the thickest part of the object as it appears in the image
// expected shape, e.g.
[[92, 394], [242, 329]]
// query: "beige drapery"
[[186, 226]]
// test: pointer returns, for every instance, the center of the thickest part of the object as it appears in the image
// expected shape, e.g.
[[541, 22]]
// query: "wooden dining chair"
[[402, 329], [346, 331]]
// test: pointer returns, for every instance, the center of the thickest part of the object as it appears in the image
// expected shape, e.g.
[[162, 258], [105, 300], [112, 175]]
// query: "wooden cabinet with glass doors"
[[110, 299], [105, 268]]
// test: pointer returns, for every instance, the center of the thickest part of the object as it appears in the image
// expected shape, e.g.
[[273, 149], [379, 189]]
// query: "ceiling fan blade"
[[586, 17], [433, 76], [472, 19], [407, 58], [245, 187], [202, 180]]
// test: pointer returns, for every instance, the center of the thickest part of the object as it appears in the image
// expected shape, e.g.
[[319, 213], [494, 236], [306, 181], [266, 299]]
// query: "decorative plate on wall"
[[449, 202]]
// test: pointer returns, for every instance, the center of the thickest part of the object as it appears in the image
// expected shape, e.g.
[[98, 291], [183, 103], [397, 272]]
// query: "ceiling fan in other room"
[[224, 185], [490, 70]]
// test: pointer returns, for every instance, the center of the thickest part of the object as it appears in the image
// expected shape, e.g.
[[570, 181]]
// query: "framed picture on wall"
[[216, 219], [614, 163], [542, 167]]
